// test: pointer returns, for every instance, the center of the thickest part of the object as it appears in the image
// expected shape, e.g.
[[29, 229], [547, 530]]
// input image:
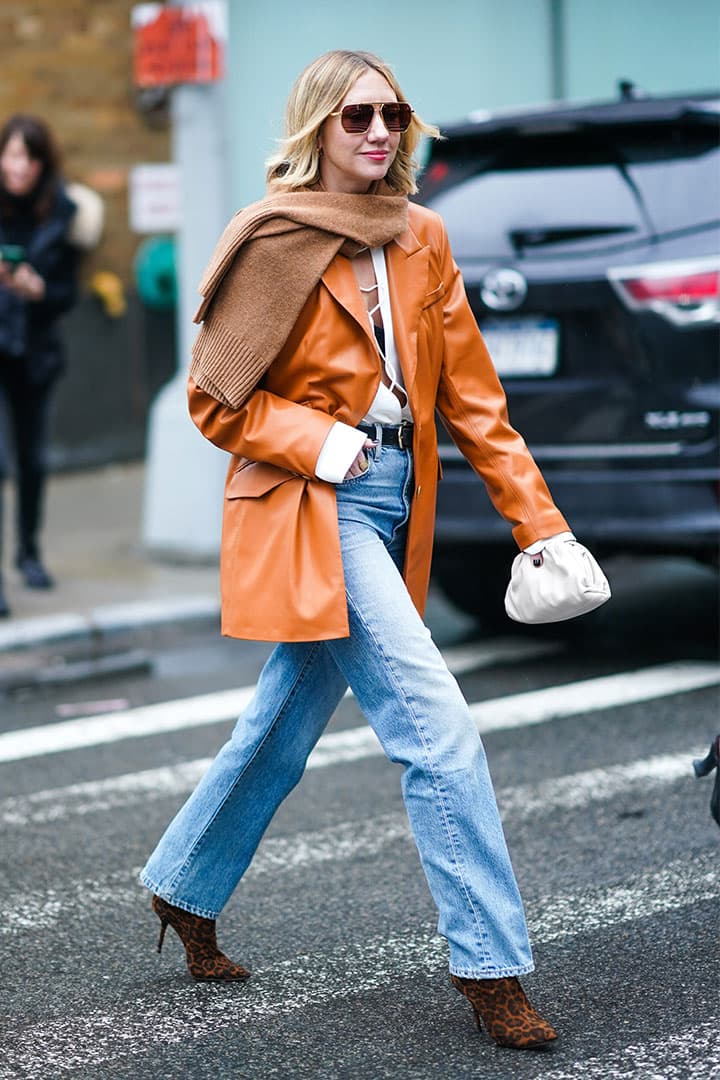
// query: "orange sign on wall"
[[183, 44]]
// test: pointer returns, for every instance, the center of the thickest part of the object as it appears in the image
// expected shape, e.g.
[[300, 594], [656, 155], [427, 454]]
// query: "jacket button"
[[419, 489]]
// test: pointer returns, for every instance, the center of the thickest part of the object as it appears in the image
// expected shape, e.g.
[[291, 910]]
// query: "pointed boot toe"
[[502, 1007], [206, 963]]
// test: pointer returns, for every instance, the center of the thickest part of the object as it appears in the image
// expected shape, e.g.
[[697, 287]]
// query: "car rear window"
[[532, 192]]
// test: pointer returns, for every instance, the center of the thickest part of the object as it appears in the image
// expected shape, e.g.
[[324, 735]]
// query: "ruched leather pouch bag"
[[560, 582]]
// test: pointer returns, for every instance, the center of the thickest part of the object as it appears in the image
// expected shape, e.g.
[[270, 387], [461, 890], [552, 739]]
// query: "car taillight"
[[686, 293], [437, 171]]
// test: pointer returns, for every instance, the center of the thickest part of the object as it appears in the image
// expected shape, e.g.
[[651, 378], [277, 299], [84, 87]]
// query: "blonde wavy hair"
[[317, 92]]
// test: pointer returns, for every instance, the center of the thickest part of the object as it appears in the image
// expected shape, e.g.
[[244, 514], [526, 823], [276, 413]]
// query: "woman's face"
[[20, 172], [351, 163]]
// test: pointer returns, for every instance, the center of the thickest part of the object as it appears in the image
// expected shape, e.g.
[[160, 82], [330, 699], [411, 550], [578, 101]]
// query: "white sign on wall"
[[154, 198]]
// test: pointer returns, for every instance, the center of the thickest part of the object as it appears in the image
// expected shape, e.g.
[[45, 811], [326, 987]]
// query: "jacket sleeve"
[[59, 271], [472, 406], [266, 428]]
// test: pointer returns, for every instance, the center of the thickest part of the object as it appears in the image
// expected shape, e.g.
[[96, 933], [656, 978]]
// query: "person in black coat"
[[38, 283]]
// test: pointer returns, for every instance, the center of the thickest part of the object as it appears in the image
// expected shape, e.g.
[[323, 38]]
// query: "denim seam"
[[492, 972], [405, 499], [479, 922], [165, 894], [180, 875]]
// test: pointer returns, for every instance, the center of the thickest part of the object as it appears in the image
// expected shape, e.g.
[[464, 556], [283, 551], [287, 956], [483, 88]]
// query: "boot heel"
[[163, 928], [204, 959], [502, 1009], [704, 766]]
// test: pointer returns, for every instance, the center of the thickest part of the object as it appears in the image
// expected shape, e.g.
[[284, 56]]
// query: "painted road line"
[[514, 710], [352, 839], [133, 724], [591, 695], [474, 656], [677, 885], [691, 1053], [91, 796], [176, 781], [578, 790], [168, 781], [213, 708], [62, 1046]]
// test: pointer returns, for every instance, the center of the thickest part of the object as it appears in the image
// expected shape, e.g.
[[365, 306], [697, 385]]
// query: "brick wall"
[[70, 61]]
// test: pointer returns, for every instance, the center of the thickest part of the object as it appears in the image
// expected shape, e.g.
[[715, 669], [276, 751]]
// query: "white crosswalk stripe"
[[590, 695], [344, 972], [346, 840], [690, 1054], [89, 1039], [171, 781], [215, 707], [516, 710]]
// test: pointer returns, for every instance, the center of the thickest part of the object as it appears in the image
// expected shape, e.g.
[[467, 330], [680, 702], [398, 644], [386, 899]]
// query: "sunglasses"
[[396, 116]]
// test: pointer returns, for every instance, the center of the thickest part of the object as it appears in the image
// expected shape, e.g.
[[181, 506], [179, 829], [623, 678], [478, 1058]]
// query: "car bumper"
[[668, 511]]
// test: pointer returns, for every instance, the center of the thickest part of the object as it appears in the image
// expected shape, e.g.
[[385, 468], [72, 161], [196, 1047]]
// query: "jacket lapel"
[[340, 280], [407, 265]]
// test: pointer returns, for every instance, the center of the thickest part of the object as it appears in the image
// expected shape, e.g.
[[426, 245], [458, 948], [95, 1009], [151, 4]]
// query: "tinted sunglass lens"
[[357, 118], [397, 116]]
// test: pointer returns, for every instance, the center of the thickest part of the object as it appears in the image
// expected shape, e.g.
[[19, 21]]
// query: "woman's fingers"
[[26, 283], [360, 464]]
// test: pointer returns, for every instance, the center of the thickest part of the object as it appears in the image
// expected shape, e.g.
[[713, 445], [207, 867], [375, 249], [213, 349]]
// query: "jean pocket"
[[369, 461]]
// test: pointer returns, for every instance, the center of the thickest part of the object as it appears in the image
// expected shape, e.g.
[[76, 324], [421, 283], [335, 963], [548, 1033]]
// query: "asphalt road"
[[609, 831]]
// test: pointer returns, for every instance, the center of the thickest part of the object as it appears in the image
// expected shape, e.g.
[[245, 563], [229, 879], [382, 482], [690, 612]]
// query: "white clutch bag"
[[560, 582]]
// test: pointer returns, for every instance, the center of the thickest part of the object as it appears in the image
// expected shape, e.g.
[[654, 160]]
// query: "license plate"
[[522, 346]]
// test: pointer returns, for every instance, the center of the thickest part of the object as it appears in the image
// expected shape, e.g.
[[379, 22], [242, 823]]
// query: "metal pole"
[[558, 58], [184, 473]]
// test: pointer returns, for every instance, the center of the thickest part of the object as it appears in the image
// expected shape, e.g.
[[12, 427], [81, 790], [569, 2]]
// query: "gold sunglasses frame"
[[378, 107]]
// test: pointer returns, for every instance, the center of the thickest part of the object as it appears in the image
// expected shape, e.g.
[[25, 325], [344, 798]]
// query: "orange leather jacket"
[[281, 566]]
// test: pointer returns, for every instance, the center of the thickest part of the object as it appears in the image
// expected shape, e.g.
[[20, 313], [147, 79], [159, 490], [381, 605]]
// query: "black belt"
[[400, 435]]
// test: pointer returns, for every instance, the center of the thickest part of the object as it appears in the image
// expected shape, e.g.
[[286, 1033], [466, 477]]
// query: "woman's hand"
[[23, 281], [360, 464]]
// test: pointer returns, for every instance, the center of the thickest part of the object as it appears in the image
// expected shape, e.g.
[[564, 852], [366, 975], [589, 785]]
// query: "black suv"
[[589, 240]]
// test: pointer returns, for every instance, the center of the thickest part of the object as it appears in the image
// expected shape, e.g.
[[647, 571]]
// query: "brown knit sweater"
[[266, 263]]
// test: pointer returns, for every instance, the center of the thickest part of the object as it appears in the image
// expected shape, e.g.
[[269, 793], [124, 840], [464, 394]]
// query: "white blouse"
[[343, 443], [386, 408]]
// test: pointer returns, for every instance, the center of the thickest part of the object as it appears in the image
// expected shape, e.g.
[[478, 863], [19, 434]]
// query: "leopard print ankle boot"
[[501, 1005], [204, 960]]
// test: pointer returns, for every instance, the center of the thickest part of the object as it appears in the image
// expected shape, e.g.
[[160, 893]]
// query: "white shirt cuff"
[[537, 547], [342, 445]]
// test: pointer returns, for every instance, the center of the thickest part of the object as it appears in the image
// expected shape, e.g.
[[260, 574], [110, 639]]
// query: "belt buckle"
[[405, 436]]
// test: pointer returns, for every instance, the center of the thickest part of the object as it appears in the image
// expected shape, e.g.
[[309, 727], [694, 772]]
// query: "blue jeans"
[[416, 708]]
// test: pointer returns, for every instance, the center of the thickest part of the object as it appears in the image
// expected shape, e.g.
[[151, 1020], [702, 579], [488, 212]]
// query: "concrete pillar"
[[184, 473]]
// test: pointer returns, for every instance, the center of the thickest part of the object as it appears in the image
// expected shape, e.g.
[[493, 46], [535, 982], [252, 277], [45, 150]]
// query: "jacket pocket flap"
[[256, 479], [434, 295]]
